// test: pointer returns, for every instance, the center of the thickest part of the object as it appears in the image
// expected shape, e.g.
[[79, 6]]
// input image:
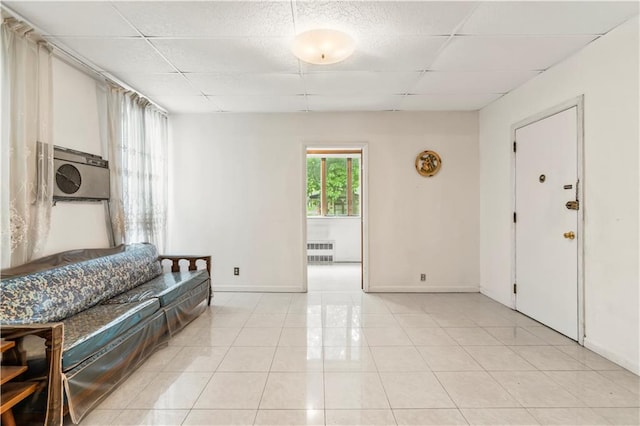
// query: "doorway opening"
[[334, 219]]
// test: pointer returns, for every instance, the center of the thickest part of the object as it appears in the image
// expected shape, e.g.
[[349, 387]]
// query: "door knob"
[[570, 235]]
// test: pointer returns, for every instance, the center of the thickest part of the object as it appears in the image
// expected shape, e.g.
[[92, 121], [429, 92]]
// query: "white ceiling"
[[211, 56]]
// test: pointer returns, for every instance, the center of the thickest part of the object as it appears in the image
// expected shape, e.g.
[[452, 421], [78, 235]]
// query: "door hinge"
[[515, 217], [514, 146], [515, 289]]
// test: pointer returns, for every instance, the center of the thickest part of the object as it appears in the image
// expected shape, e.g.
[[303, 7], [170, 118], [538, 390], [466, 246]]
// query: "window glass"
[[313, 187], [336, 187], [333, 186], [355, 186]]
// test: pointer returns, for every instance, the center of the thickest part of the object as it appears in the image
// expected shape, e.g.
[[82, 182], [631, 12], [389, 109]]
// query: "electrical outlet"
[[236, 271], [423, 277]]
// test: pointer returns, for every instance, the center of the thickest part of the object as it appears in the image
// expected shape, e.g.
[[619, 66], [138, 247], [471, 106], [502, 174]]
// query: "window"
[[333, 184], [138, 145]]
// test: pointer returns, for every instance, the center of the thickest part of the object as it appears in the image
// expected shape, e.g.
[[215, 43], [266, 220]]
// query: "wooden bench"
[[12, 392]]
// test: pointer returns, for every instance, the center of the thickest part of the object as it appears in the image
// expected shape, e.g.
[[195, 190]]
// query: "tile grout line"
[[266, 382], [384, 389], [213, 373], [465, 348], [324, 369]]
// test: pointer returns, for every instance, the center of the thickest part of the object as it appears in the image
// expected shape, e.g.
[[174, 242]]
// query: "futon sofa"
[[116, 306]]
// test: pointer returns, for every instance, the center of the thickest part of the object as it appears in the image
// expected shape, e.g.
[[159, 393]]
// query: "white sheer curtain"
[[137, 135], [26, 169]]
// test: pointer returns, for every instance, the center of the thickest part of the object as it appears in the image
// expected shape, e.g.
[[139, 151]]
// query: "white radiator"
[[320, 252]]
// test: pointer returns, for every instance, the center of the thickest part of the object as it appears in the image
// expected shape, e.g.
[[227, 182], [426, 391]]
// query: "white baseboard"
[[631, 365], [258, 288], [422, 289], [494, 295]]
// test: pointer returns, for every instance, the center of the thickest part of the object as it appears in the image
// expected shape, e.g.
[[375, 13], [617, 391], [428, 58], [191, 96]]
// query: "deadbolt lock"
[[573, 205], [569, 235]]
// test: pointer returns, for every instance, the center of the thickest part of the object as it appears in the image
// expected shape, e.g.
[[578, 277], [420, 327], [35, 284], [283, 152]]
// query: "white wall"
[[343, 231], [237, 183], [606, 73], [76, 125]]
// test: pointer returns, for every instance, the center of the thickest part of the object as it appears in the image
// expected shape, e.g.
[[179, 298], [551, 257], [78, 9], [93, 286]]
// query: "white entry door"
[[546, 228]]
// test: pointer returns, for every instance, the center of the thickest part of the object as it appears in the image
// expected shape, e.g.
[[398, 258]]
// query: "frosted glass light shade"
[[323, 47]]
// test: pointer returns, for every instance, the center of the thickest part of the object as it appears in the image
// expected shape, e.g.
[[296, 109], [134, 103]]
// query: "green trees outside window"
[[333, 186]]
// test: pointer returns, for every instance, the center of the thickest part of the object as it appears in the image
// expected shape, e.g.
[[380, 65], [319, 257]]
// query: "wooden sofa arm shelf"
[[175, 265], [175, 261]]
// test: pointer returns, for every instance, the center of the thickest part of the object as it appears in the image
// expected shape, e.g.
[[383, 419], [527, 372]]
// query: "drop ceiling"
[[234, 56]]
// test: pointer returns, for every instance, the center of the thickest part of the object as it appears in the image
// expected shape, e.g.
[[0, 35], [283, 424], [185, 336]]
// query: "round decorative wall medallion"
[[428, 163]]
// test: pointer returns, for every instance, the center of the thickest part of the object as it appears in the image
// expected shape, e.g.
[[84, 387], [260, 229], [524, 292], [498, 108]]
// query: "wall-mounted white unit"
[[79, 176]]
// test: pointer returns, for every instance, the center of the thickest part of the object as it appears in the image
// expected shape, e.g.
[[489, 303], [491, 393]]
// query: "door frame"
[[364, 205], [577, 102]]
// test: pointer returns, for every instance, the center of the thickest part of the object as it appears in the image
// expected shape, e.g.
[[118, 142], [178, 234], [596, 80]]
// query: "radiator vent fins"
[[320, 252], [319, 246], [319, 259]]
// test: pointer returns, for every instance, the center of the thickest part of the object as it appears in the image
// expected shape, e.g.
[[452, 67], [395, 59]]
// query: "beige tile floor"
[[337, 356]]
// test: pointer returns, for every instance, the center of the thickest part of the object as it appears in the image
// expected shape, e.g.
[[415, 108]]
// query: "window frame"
[[349, 155]]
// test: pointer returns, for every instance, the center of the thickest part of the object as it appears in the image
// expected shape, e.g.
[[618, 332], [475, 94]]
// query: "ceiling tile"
[[187, 104], [548, 17], [210, 18], [261, 103], [248, 84], [478, 53], [258, 55], [447, 102], [116, 55], [74, 18], [239, 52], [471, 81], [353, 103], [382, 17], [359, 82], [159, 84], [376, 53]]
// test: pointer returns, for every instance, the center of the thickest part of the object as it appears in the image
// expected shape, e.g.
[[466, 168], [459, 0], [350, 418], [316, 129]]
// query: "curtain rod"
[[71, 59]]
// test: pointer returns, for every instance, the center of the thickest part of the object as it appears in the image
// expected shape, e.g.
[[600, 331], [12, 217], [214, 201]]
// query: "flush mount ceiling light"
[[323, 47]]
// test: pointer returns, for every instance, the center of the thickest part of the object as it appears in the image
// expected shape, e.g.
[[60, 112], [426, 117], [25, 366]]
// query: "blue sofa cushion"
[[58, 293], [93, 329], [167, 287]]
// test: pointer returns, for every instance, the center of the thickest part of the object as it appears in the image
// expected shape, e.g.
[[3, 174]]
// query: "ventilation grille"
[[320, 246], [320, 252], [319, 259]]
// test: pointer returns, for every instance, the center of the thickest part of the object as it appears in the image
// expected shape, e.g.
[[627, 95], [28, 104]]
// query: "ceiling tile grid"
[[243, 84], [261, 103], [188, 104], [388, 53], [74, 18], [359, 83], [501, 53], [234, 56], [210, 18], [323, 103], [241, 54], [161, 84], [447, 101], [461, 82], [548, 17], [386, 18], [117, 55]]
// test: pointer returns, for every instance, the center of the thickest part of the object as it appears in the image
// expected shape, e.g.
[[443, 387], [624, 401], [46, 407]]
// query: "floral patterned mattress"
[[58, 293]]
